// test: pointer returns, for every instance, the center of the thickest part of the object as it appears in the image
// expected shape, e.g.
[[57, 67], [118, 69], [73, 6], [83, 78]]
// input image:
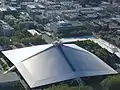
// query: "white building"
[[52, 63], [33, 32]]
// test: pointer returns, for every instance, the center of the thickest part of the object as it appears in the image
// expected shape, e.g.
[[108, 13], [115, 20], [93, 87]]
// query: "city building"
[[9, 80], [5, 29], [41, 19], [33, 32], [6, 11], [27, 24], [35, 10], [64, 26], [101, 24], [72, 17]]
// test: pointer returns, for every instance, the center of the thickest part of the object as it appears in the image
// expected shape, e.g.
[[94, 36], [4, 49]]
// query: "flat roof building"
[[5, 29], [65, 26], [33, 32]]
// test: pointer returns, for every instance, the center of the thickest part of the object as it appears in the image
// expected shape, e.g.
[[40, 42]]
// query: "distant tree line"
[[67, 87], [74, 33]]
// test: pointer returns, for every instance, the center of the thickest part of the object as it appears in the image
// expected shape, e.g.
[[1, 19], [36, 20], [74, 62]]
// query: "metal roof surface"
[[47, 64], [17, 55]]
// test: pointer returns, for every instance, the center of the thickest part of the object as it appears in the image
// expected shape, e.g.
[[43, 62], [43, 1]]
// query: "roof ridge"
[[66, 58], [83, 50], [37, 53]]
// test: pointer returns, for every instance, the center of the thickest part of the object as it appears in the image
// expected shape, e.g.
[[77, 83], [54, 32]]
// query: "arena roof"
[[47, 64]]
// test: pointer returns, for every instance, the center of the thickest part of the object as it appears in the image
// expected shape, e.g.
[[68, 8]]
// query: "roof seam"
[[85, 51], [66, 58], [36, 54]]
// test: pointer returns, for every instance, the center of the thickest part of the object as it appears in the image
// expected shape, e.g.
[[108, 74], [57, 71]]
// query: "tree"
[[36, 40], [21, 26], [4, 41], [19, 34], [26, 33], [15, 39], [66, 87], [26, 41], [111, 83], [11, 22]]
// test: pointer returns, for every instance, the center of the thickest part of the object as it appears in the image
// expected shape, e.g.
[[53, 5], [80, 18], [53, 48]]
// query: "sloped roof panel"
[[45, 67], [86, 63], [17, 55]]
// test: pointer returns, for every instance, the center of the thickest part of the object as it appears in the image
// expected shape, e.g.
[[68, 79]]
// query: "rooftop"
[[31, 6], [33, 32], [9, 77], [39, 66]]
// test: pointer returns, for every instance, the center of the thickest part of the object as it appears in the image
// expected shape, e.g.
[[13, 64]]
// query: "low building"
[[71, 16], [14, 3], [92, 16], [35, 11], [40, 6], [5, 29], [114, 26], [116, 20], [101, 24], [24, 4], [64, 26], [9, 81], [9, 77], [41, 19], [106, 20], [92, 26], [34, 32], [6, 11], [9, 17], [29, 8], [27, 24]]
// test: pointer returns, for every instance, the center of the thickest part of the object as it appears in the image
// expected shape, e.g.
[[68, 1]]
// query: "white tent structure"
[[47, 64]]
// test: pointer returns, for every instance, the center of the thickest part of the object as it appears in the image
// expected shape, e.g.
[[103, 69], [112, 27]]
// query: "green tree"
[[4, 40], [11, 22], [34, 40], [111, 83], [26, 33], [15, 39], [19, 34], [66, 87], [37, 40]]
